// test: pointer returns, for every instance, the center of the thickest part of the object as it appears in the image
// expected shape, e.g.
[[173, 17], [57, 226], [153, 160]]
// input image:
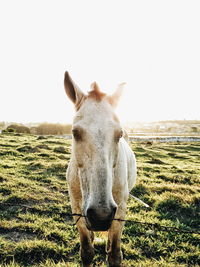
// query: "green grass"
[[34, 202]]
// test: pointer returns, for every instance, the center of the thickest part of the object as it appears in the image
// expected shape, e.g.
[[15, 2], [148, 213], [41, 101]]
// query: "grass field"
[[34, 228]]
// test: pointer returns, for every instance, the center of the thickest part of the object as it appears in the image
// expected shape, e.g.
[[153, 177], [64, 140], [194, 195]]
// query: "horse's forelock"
[[96, 93]]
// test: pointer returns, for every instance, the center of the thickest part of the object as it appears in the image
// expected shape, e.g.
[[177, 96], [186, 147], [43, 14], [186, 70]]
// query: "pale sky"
[[153, 46]]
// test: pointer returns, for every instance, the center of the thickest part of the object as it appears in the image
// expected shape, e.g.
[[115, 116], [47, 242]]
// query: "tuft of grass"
[[28, 149], [139, 190], [60, 149], [156, 161]]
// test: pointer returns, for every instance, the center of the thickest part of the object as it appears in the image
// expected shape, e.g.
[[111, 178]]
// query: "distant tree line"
[[60, 129], [41, 129]]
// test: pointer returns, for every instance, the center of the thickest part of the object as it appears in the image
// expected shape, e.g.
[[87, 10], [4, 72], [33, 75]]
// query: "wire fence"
[[155, 226]]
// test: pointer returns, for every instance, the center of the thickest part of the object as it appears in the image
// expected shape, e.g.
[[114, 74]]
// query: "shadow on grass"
[[156, 161], [177, 179]]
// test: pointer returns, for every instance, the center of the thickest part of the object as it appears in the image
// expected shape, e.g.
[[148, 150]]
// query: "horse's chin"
[[99, 226]]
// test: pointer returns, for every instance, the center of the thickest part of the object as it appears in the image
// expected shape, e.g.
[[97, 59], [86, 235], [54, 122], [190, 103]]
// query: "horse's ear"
[[114, 98], [72, 90]]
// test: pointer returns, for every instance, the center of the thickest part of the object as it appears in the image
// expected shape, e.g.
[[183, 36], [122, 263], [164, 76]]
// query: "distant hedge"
[[41, 129], [18, 128], [53, 128]]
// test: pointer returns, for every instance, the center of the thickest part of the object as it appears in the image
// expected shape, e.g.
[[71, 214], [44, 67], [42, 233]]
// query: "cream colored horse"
[[102, 169]]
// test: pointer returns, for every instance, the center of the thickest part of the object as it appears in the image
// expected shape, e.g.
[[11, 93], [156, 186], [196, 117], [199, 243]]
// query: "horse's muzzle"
[[100, 219]]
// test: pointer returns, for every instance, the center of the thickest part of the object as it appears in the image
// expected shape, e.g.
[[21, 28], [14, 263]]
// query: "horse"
[[101, 171]]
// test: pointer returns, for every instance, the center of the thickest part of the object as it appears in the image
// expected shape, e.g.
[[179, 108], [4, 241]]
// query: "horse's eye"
[[76, 134]]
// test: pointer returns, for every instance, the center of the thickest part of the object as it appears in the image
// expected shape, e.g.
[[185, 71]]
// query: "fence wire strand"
[[156, 226]]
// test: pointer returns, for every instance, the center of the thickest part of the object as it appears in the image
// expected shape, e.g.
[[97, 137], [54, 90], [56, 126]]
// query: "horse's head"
[[96, 134]]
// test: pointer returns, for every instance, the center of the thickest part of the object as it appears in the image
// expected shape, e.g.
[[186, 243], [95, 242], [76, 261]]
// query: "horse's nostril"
[[91, 214]]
